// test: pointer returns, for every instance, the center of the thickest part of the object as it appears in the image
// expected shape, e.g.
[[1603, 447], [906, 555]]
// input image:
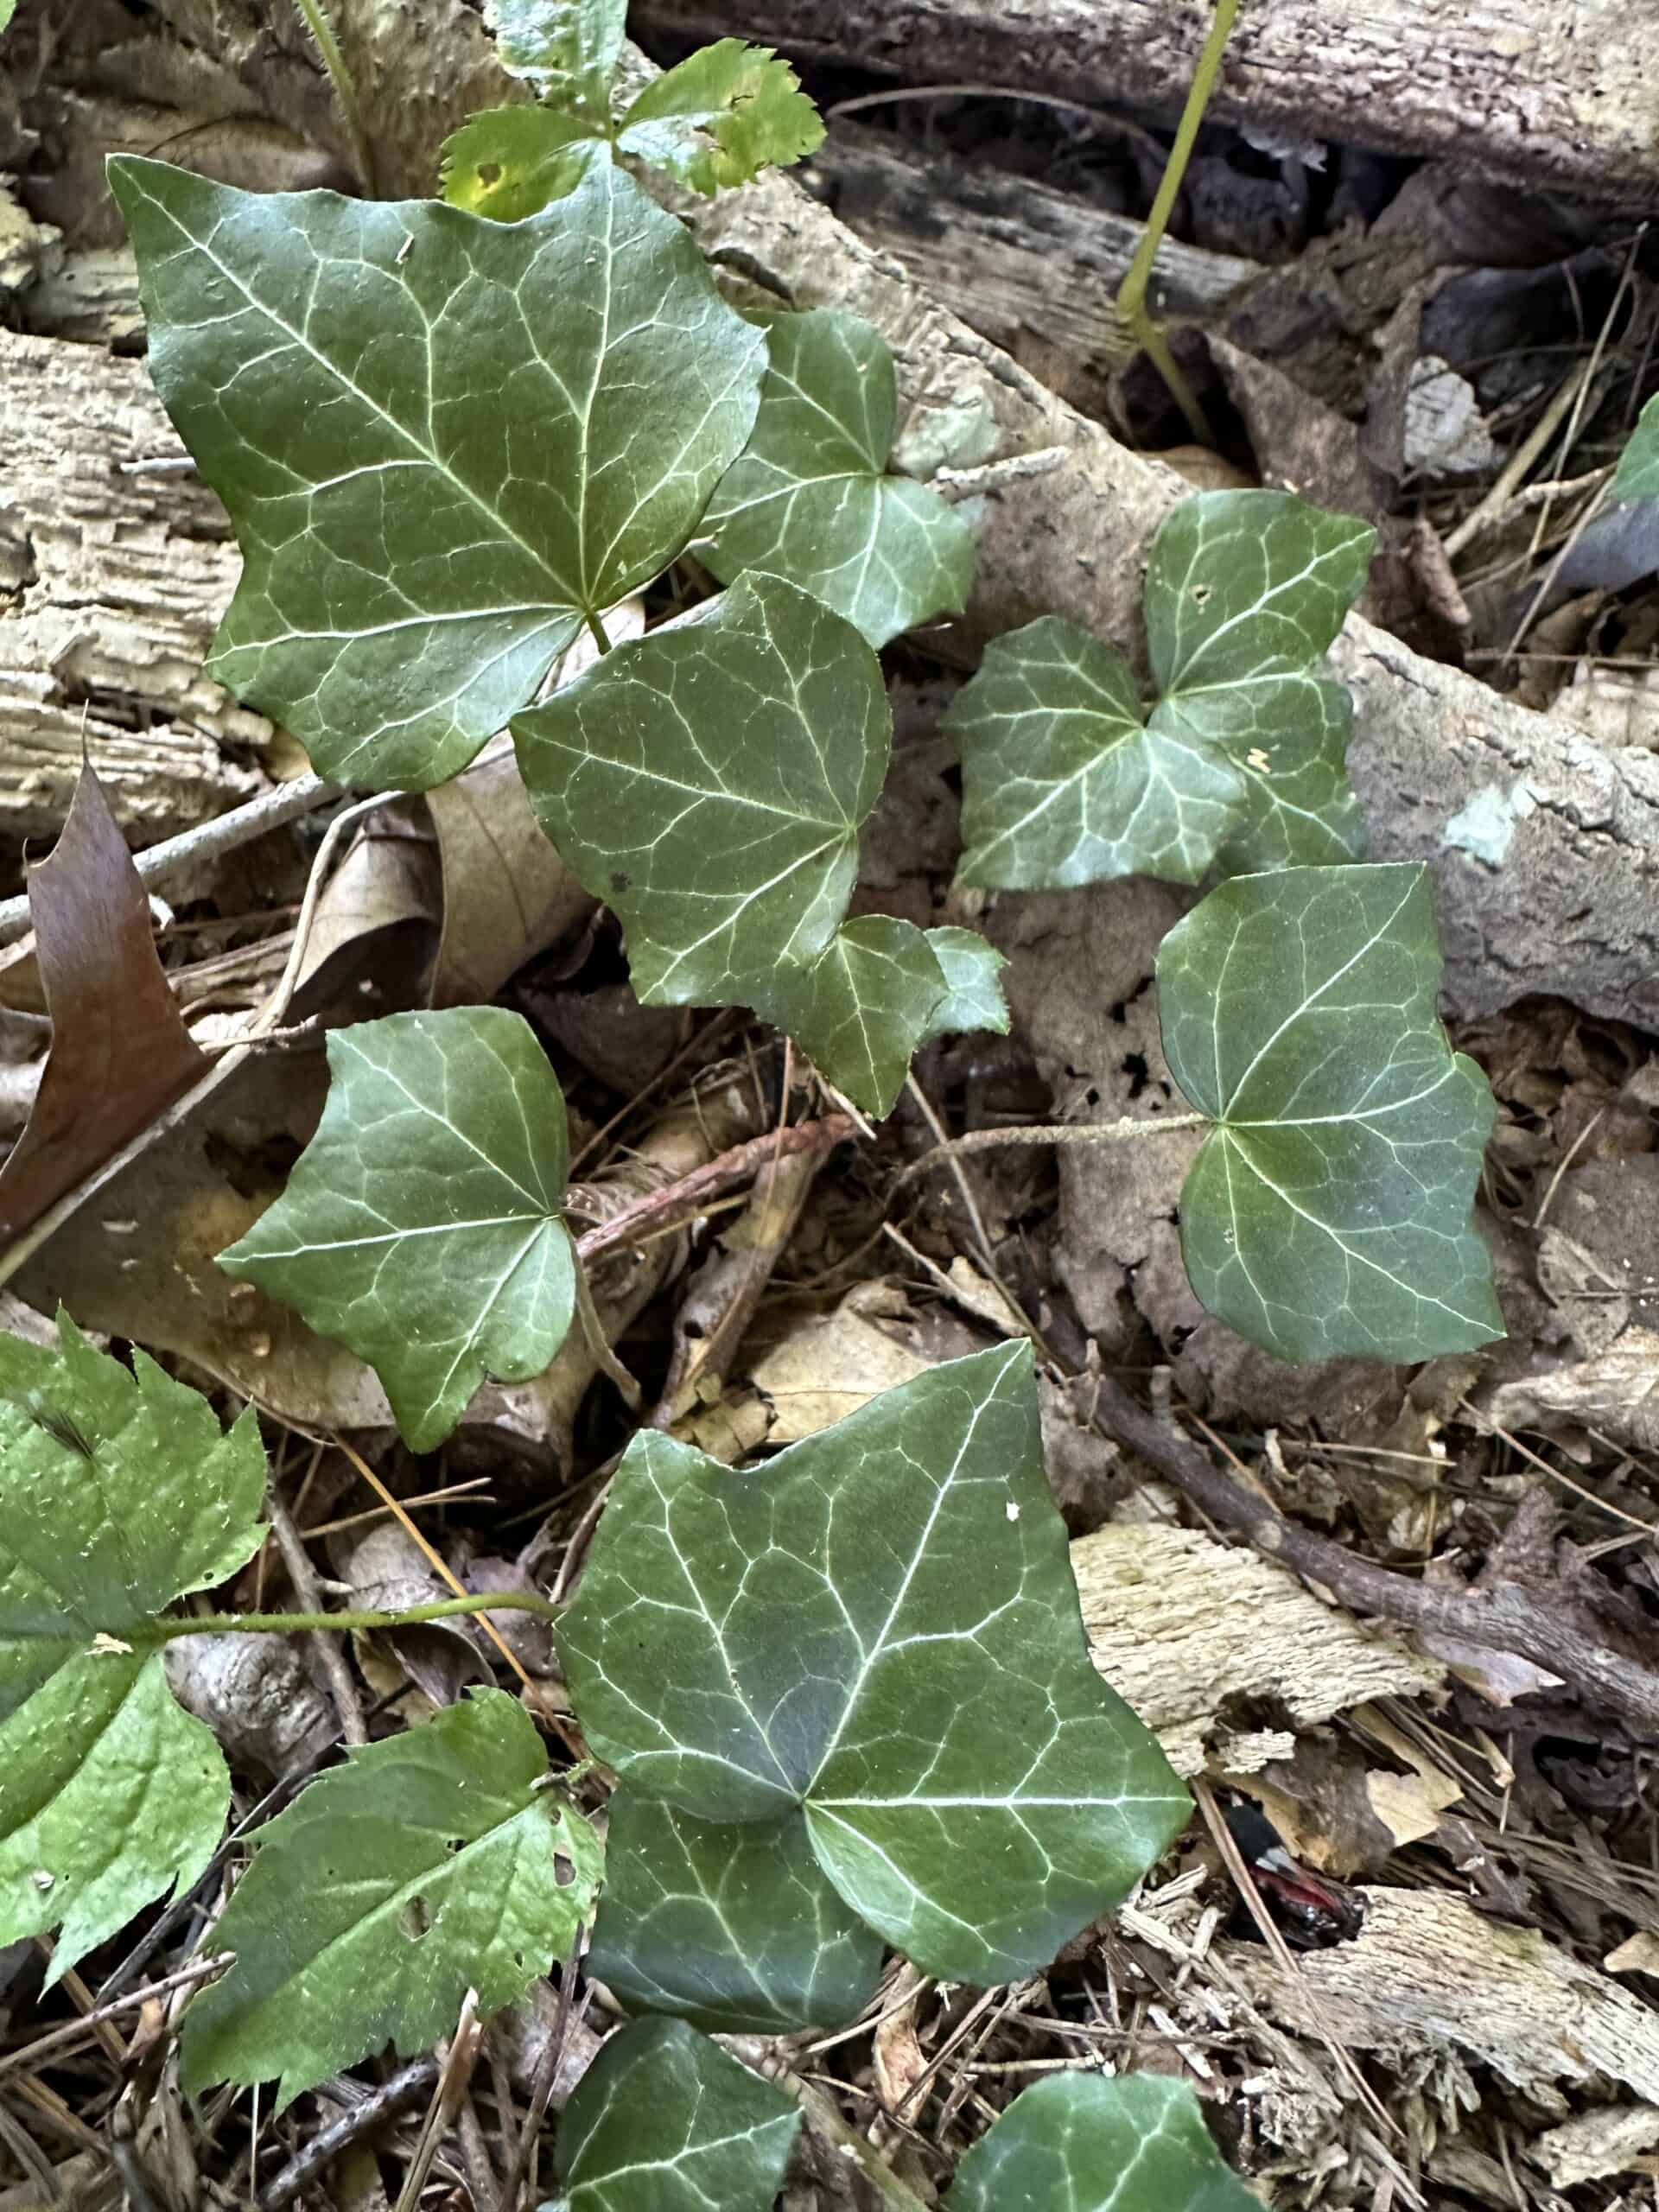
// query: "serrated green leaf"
[[566, 49], [734, 1928], [831, 1632], [721, 116], [422, 1225], [444, 443], [1242, 762], [1638, 475], [973, 972], [707, 782], [118, 1493], [663, 2121], [1062, 785], [426, 1866], [861, 1008], [1329, 1209], [810, 498], [508, 163], [1134, 2143]]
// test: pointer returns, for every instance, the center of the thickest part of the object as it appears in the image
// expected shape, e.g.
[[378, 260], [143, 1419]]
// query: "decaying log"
[[112, 580], [1560, 96]]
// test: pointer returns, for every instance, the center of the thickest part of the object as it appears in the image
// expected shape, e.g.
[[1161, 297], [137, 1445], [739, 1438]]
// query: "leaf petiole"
[[596, 626], [360, 1618]]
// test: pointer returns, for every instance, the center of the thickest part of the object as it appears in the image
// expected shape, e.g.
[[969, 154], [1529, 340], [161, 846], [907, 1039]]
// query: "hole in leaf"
[[564, 1870], [412, 1920], [489, 172]]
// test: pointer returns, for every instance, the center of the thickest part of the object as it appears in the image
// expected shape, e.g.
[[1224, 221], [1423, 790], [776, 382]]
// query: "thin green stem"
[[1132, 293], [315, 16], [442, 1609], [596, 625]]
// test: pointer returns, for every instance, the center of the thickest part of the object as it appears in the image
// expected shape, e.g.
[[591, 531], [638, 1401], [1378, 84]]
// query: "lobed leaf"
[[973, 971], [118, 1493], [1329, 1208], [721, 116], [1133, 2144], [1242, 762], [1638, 475], [810, 498], [507, 163], [663, 2121], [567, 48], [422, 1225], [427, 1865], [879, 1629], [863, 1006], [445, 443], [734, 1929]]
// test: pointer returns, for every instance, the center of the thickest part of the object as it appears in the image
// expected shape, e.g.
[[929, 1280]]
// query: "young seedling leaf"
[[508, 163], [736, 1928], [707, 782], [1245, 594], [445, 443], [118, 1493], [663, 2121], [420, 1226], [1638, 475], [810, 498], [973, 978], [880, 1627], [1241, 763], [721, 116], [425, 1866], [1329, 1208], [1063, 786], [1133, 2144], [863, 1006], [568, 49]]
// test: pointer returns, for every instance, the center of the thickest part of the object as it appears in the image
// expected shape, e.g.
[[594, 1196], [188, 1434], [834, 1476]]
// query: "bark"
[[1562, 95]]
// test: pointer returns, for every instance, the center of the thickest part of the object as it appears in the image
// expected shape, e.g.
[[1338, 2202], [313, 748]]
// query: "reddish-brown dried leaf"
[[120, 1052]]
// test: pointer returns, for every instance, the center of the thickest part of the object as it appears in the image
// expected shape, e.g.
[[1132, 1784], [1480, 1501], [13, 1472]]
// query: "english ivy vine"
[[847, 1697]]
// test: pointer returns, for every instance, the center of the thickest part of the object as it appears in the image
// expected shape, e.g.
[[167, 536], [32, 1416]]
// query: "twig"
[[1128, 1131], [545, 2081], [685, 1199], [207, 841], [306, 1589], [1515, 468], [32, 2054], [407, 2087], [1506, 1618], [600, 1349]]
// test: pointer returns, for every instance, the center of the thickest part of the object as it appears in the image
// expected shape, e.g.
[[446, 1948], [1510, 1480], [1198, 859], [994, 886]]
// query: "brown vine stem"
[[1129, 1130], [1507, 1617], [676, 1203]]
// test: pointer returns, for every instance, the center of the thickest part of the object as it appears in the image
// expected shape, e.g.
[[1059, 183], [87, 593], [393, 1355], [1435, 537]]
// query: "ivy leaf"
[[507, 163], [1062, 785], [487, 434], [1133, 2144], [973, 971], [425, 1866], [118, 1493], [707, 782], [1245, 594], [663, 2121], [1329, 1208], [721, 116], [735, 1929], [831, 1632], [861, 1008], [420, 1226], [1637, 474], [810, 498]]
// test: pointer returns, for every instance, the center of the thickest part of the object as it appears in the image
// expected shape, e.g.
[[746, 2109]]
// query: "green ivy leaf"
[[861, 1008], [427, 1865], [1242, 762], [663, 2121], [1245, 594], [830, 1633], [810, 498], [973, 972], [1134, 2143], [1062, 785], [445, 443], [508, 163], [421, 1227], [118, 1493], [721, 116], [1329, 1209], [735, 1929], [1638, 475]]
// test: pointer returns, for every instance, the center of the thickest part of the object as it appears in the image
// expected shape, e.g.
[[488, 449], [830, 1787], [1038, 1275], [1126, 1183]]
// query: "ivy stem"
[[441, 1609], [1131, 292], [315, 16], [596, 625], [1129, 1130]]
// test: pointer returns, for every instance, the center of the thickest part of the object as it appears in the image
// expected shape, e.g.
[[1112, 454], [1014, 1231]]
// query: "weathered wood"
[[112, 584], [1562, 95]]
